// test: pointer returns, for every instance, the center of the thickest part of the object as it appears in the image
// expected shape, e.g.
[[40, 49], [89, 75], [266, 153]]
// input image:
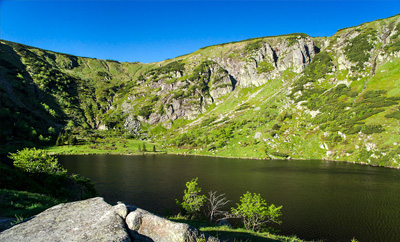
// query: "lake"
[[326, 200]]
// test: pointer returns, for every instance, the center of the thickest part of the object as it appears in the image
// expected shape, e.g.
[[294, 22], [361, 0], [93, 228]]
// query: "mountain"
[[271, 97]]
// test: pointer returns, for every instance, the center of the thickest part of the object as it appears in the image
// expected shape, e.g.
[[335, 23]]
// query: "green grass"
[[226, 233], [106, 146], [23, 204]]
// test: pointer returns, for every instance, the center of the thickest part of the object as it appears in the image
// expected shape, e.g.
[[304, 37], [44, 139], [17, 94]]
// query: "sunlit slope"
[[271, 97]]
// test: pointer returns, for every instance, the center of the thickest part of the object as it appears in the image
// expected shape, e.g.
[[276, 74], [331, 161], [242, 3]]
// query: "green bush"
[[358, 47], [37, 161], [192, 200], [145, 111], [174, 66], [253, 46], [208, 121], [395, 115], [265, 67], [394, 44], [280, 154], [255, 212], [370, 129]]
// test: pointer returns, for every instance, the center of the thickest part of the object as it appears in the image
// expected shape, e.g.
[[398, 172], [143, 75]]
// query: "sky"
[[151, 31]]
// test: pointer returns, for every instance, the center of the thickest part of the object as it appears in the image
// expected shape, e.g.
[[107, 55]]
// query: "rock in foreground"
[[96, 220], [88, 220]]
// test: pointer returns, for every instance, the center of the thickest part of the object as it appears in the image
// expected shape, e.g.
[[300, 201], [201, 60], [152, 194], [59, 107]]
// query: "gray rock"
[[146, 226], [121, 210], [87, 220]]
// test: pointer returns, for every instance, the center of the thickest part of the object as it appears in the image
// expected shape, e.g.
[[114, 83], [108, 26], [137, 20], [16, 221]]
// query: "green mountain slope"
[[271, 97]]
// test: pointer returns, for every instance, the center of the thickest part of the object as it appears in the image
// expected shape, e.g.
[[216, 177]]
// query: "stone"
[[146, 226], [121, 210], [87, 220]]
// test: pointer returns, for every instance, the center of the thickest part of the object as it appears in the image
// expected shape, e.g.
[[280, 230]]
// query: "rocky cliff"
[[282, 96]]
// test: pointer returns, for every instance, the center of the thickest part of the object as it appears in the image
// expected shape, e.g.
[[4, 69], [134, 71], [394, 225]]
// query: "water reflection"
[[321, 199]]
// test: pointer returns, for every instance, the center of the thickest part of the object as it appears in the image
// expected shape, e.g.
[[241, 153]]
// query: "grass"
[[110, 145], [226, 233], [24, 204]]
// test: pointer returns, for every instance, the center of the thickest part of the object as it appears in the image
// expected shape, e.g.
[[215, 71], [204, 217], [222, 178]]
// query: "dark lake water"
[[321, 200]]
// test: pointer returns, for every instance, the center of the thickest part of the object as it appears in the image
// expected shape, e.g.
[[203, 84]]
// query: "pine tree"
[[59, 140], [144, 147], [140, 148], [72, 139], [154, 148]]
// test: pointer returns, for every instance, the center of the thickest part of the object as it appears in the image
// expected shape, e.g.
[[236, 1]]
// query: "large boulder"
[[145, 226], [96, 220], [87, 220]]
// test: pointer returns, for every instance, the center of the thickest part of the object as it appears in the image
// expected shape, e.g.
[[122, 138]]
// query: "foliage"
[[395, 114], [208, 121], [253, 46], [36, 161], [23, 204], [192, 200], [145, 111], [254, 211], [394, 44], [317, 69], [280, 154], [227, 233], [66, 138], [292, 38], [174, 66], [265, 67], [358, 48]]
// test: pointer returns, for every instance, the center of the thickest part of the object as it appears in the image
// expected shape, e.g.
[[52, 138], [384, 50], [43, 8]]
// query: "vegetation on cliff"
[[272, 97]]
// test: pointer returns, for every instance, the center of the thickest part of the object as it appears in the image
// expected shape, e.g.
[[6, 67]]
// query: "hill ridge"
[[274, 97]]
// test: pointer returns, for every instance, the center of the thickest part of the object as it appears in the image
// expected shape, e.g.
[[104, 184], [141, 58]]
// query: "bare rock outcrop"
[[95, 220], [144, 225], [87, 220]]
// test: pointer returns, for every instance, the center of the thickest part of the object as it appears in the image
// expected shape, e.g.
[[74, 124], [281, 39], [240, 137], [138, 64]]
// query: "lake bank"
[[132, 149], [334, 201]]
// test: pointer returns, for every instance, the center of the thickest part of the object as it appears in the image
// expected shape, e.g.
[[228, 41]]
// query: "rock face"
[[142, 223], [88, 220], [96, 220]]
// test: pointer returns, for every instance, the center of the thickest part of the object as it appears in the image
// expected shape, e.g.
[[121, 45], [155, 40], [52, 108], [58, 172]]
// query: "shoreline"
[[216, 156]]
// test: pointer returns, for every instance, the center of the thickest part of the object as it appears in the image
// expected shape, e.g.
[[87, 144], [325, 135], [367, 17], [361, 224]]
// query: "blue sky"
[[149, 31]]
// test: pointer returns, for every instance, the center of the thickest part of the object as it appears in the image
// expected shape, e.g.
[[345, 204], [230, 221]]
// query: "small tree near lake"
[[192, 200], [215, 205], [254, 211]]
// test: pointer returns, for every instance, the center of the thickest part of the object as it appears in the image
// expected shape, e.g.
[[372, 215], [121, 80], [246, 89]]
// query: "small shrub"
[[280, 154], [254, 211], [146, 111], [253, 46], [208, 121], [276, 127], [36, 161], [265, 67], [358, 47], [192, 200], [370, 129]]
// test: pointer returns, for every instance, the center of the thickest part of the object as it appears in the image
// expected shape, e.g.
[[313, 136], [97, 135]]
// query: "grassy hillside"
[[271, 97]]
